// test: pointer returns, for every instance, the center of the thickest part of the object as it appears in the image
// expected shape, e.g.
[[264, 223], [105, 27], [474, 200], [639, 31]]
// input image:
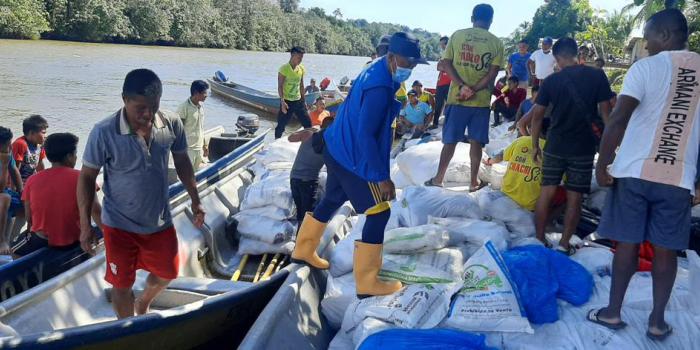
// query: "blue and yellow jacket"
[[360, 138]]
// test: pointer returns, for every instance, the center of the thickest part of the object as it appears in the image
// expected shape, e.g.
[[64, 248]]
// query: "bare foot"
[[139, 307], [5, 249]]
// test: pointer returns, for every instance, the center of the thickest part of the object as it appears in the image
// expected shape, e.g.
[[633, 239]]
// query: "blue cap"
[[547, 40], [406, 45]]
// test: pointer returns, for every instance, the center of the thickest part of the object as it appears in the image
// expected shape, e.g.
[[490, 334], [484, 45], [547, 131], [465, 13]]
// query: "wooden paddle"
[[270, 267], [260, 268], [241, 266]]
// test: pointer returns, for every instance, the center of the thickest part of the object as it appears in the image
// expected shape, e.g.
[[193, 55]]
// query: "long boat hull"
[[31, 270], [267, 102]]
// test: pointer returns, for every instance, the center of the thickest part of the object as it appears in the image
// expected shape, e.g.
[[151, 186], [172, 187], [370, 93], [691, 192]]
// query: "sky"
[[443, 16]]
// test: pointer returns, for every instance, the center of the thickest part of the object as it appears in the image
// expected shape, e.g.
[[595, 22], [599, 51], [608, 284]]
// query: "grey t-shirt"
[[308, 163], [135, 174]]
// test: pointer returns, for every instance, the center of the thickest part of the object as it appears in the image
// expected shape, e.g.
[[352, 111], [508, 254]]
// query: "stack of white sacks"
[[264, 222], [444, 246], [431, 234], [419, 162]]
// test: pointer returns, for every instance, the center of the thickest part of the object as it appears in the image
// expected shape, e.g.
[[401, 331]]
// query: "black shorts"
[[28, 242], [578, 171]]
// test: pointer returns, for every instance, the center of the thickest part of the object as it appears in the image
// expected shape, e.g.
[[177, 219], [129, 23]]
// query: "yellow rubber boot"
[[308, 238], [367, 261]]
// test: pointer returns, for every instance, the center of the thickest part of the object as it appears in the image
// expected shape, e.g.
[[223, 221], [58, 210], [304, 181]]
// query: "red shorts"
[[559, 198], [127, 252]]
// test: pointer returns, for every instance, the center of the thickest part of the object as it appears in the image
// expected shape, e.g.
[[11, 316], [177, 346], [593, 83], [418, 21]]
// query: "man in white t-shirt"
[[656, 124], [542, 62]]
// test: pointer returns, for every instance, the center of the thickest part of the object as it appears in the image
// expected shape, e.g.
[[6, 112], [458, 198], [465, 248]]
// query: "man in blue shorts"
[[472, 59], [10, 201], [656, 124]]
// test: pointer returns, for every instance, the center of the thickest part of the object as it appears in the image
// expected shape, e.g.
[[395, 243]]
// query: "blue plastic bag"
[[575, 282], [410, 339], [537, 283]]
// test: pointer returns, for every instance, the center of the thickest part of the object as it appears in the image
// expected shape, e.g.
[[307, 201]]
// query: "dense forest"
[[267, 25]]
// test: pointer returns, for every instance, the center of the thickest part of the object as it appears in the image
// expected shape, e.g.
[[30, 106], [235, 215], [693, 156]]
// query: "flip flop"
[[571, 251], [474, 189], [430, 183], [660, 337], [593, 317]]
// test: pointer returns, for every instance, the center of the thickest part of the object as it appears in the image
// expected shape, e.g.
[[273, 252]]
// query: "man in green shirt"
[[472, 59], [290, 86], [192, 114]]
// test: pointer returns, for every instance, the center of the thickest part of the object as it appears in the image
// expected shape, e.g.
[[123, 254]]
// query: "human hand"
[[487, 161], [283, 106], [465, 93], [537, 154], [198, 214], [603, 177], [387, 190], [522, 128], [88, 239]]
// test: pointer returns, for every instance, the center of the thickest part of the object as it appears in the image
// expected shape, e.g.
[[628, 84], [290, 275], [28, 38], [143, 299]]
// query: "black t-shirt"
[[570, 132]]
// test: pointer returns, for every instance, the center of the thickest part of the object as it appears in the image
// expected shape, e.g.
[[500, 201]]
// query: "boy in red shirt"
[[27, 150], [508, 102], [56, 226]]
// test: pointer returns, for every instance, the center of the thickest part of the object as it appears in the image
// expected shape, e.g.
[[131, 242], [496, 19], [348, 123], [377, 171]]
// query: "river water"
[[74, 85]]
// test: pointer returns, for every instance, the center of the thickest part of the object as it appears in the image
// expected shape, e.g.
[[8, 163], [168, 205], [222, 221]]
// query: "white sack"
[[498, 206], [475, 232], [419, 163], [420, 202], [281, 150], [597, 261], [255, 247], [263, 229], [272, 190], [368, 327], [410, 240], [341, 255], [340, 293], [398, 177], [268, 212], [439, 266], [487, 301], [495, 174]]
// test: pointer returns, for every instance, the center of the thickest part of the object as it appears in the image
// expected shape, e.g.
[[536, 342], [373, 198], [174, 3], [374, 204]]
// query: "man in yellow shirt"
[[290, 87], [472, 59], [521, 183]]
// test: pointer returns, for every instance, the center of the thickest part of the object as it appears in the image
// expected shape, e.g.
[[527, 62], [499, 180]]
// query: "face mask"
[[401, 74]]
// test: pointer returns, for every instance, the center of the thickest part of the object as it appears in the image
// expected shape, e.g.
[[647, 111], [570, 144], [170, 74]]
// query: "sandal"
[[660, 337], [430, 183], [593, 317], [568, 252], [473, 189]]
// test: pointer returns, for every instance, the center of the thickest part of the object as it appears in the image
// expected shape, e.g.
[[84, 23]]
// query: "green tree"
[[646, 8], [608, 33], [559, 18], [151, 20], [22, 19], [289, 6]]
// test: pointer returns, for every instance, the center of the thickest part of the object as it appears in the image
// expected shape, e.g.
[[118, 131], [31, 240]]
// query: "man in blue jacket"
[[356, 153]]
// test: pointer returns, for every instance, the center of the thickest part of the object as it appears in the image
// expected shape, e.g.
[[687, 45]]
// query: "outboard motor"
[[220, 76], [248, 124]]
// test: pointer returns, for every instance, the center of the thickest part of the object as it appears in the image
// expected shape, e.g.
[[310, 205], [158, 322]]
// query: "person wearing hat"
[[542, 62], [356, 154], [422, 95], [472, 60], [290, 87], [416, 116]]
